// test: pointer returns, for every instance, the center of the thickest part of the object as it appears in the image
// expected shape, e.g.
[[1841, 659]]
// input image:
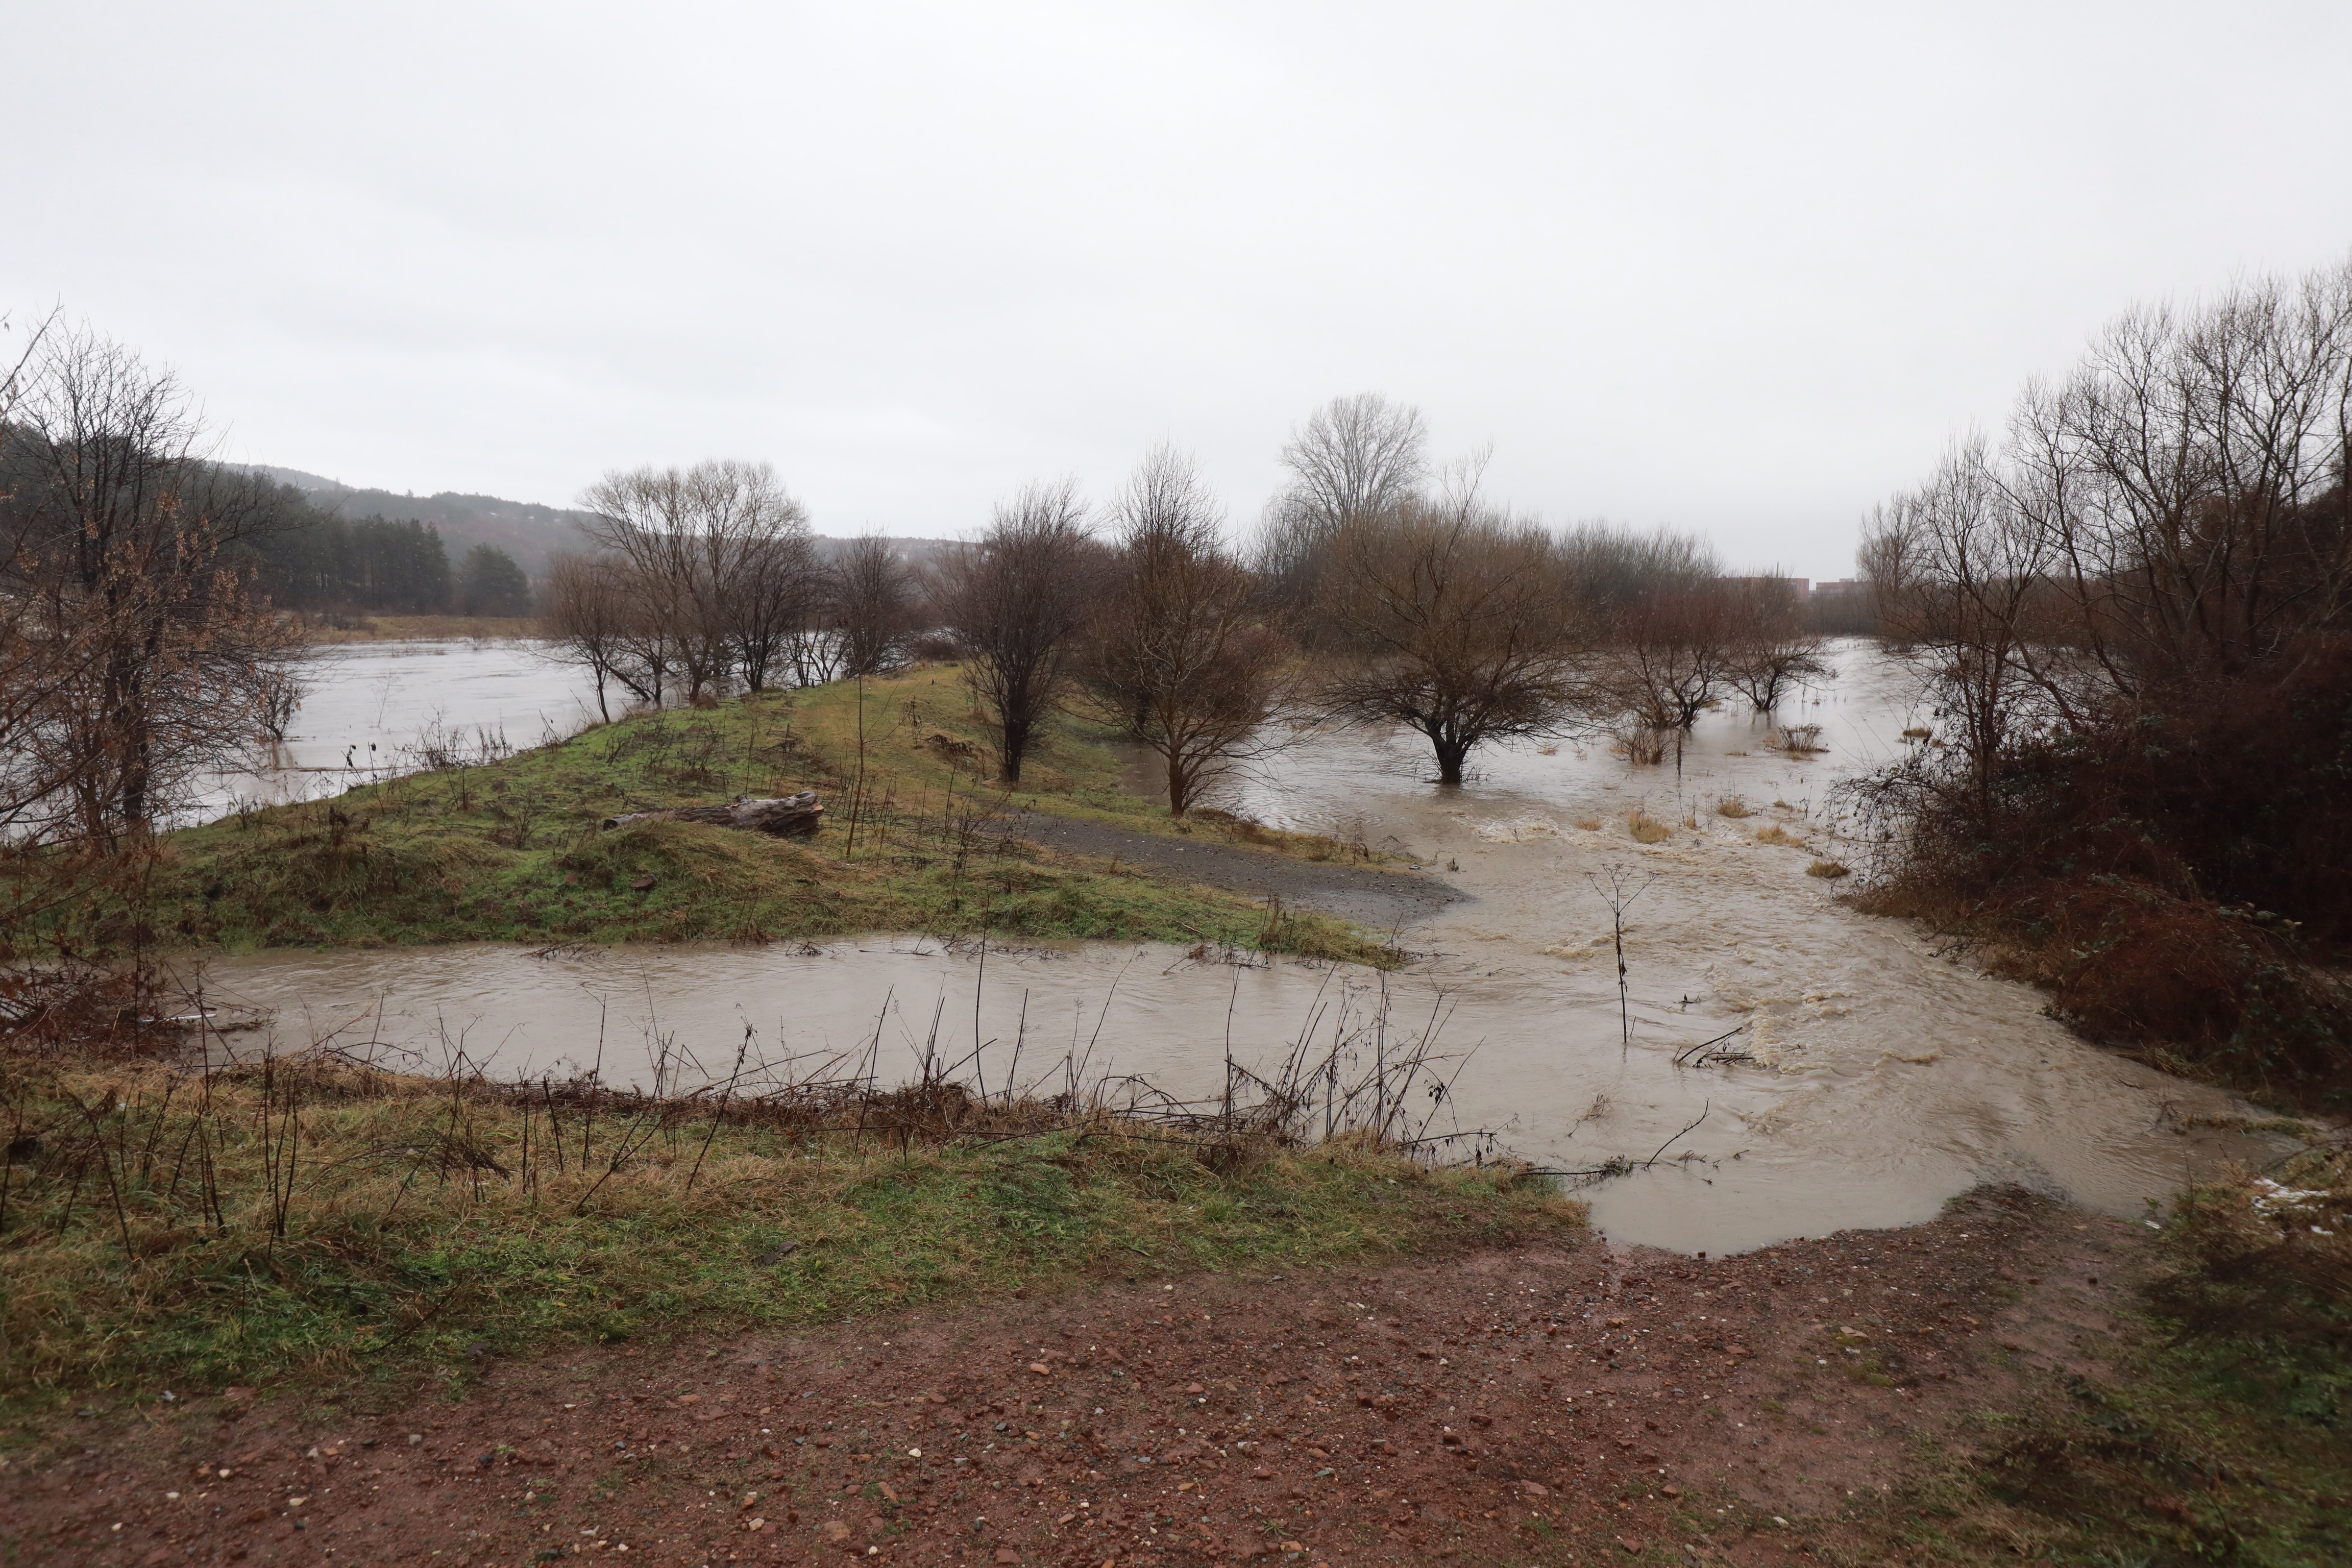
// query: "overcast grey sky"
[[1737, 267]]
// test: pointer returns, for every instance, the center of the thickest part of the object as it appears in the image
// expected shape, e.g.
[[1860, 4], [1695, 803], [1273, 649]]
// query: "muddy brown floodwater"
[[1885, 1075], [367, 709]]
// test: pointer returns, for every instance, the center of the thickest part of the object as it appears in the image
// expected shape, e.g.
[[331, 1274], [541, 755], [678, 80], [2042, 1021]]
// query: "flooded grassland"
[[1863, 1074]]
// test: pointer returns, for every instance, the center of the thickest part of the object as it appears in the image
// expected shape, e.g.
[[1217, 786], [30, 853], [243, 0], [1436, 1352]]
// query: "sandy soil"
[[1593, 1405], [1376, 899]]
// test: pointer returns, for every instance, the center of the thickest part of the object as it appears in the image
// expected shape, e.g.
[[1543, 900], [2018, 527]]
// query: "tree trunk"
[[790, 817]]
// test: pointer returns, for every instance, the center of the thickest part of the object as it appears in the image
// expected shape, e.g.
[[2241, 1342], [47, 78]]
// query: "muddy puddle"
[[1883, 1074]]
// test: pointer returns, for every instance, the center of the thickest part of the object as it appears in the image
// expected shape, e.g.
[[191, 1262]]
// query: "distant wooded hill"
[[527, 531]]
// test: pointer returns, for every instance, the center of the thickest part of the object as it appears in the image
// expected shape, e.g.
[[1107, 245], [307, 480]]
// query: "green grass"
[[512, 850], [2212, 1429], [428, 1228]]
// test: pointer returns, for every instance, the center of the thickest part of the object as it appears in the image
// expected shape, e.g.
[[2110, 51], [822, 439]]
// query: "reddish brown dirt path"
[[1581, 1407]]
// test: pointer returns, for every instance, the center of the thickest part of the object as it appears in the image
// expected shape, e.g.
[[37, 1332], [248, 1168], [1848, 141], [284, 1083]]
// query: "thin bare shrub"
[[1179, 651], [1016, 601], [136, 658]]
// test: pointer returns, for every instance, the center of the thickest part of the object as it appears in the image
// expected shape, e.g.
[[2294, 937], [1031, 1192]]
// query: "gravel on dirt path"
[[1591, 1404]]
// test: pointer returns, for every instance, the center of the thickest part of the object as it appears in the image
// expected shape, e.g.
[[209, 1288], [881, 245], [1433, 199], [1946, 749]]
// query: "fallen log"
[[786, 817]]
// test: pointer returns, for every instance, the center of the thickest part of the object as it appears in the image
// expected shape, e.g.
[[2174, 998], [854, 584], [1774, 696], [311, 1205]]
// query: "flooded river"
[[371, 709], [1884, 1076]]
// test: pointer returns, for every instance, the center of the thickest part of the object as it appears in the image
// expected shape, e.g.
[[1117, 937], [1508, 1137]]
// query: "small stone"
[[1040, 1368], [1007, 1557], [837, 1530], [1534, 1489], [1630, 1542]]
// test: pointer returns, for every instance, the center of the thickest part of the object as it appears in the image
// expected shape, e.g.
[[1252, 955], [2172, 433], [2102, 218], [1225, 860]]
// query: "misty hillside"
[[526, 530]]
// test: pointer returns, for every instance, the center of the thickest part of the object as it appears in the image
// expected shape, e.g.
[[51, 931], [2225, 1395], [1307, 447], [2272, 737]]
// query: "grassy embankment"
[[511, 850], [164, 1228], [2211, 1428]]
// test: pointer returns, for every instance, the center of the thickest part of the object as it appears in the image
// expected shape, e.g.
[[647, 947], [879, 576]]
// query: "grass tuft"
[[306, 1218]]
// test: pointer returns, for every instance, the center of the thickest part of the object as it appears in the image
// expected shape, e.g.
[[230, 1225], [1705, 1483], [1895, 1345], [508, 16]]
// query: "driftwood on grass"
[[788, 817]]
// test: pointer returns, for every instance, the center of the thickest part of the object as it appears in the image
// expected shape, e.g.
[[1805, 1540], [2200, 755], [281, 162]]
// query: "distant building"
[[1796, 587], [1840, 587]]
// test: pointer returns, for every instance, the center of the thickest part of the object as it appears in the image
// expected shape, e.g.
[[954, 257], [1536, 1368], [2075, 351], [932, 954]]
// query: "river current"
[[1884, 1073]]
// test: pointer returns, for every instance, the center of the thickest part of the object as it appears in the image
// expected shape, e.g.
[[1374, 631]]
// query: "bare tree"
[[585, 611], [1177, 651], [1672, 652], [1773, 649], [2183, 487], [1015, 601], [140, 658], [773, 592], [1355, 458], [1612, 567], [1956, 570], [872, 592], [686, 536], [1456, 620]]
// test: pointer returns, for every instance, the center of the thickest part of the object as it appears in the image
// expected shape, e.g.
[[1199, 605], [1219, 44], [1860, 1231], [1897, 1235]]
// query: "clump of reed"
[[1778, 836], [1647, 829], [1642, 745]]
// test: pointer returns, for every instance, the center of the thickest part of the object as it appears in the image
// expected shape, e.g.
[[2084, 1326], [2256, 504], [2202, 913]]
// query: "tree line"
[[144, 588], [1377, 590], [2132, 615], [318, 560]]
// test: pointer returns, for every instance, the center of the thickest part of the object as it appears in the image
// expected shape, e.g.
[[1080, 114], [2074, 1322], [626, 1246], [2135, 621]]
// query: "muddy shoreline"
[[1602, 1401]]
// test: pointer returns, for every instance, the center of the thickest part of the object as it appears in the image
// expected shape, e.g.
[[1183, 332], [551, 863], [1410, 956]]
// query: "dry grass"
[[1778, 836], [1590, 824], [1647, 829], [188, 1220], [1642, 746], [1734, 808], [1828, 870]]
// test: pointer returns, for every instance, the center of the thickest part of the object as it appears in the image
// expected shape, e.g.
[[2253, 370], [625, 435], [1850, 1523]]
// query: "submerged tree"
[[1774, 650], [1454, 619]]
